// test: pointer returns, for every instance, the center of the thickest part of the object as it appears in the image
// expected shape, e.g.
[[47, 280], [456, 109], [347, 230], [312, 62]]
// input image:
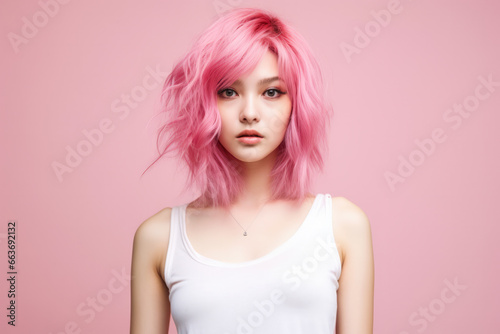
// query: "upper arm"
[[150, 306], [356, 282]]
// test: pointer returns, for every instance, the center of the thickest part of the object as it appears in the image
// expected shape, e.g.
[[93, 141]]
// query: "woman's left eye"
[[273, 92]]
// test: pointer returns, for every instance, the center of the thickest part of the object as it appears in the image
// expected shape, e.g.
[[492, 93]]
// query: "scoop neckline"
[[217, 263]]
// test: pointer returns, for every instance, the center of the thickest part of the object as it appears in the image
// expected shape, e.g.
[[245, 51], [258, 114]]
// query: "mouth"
[[249, 140], [249, 134]]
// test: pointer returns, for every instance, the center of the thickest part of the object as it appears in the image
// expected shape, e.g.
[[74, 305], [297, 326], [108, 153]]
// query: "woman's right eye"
[[228, 92]]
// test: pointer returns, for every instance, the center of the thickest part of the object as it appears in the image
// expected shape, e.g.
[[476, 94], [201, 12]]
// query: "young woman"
[[256, 252]]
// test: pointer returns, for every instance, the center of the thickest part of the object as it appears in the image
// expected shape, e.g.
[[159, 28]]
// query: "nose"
[[249, 110]]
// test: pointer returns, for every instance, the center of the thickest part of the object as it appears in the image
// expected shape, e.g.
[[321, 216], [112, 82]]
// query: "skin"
[[248, 104]]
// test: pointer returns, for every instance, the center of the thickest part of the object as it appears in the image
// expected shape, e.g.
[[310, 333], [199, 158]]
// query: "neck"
[[257, 182]]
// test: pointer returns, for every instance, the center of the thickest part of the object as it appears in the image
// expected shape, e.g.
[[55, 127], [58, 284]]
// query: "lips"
[[249, 133]]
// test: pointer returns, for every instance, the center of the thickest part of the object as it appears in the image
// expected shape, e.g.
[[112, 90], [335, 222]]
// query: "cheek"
[[225, 130], [225, 124], [280, 120], [225, 113]]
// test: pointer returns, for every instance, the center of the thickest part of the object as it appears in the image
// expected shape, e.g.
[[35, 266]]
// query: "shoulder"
[[151, 237], [349, 214], [350, 224]]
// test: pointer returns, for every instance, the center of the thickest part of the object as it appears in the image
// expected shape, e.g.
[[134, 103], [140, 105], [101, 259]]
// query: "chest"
[[221, 237]]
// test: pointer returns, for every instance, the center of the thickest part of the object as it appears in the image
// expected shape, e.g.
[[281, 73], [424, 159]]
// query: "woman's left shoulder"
[[348, 213], [350, 224]]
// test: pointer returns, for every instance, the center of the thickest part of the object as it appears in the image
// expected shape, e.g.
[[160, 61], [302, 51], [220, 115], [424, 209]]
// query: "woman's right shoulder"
[[152, 236], [158, 222]]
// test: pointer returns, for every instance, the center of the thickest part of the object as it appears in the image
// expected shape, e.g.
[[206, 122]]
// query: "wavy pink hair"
[[230, 47]]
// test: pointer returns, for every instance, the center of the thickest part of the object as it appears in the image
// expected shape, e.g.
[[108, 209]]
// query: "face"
[[256, 101]]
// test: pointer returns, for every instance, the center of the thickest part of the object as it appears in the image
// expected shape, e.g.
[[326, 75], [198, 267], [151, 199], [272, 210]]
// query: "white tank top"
[[292, 289]]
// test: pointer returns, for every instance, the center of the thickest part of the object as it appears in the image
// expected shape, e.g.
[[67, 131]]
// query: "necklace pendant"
[[245, 233]]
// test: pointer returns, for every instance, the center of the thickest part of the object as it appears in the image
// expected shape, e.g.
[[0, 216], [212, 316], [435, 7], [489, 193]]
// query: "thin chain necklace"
[[245, 229]]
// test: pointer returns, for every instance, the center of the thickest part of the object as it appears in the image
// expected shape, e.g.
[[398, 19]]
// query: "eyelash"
[[279, 92]]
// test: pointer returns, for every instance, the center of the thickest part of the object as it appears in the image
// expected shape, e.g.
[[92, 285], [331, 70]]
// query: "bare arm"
[[356, 283], [150, 306]]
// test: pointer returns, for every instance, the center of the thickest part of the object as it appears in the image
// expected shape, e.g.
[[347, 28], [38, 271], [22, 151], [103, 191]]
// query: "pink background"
[[75, 233]]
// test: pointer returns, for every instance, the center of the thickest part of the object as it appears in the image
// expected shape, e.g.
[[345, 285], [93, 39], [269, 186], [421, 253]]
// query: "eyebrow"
[[262, 81]]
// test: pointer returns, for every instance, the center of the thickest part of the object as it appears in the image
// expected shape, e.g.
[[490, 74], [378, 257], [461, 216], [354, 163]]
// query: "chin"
[[250, 157], [255, 156]]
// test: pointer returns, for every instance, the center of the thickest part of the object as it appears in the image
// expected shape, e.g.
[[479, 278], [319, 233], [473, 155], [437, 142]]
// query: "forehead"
[[266, 71]]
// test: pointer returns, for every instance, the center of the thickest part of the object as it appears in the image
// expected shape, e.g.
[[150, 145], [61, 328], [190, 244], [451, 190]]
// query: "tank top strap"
[[330, 235], [174, 241], [328, 210], [318, 223], [322, 212]]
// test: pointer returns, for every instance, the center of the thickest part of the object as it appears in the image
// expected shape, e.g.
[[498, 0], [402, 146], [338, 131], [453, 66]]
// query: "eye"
[[274, 93], [227, 93]]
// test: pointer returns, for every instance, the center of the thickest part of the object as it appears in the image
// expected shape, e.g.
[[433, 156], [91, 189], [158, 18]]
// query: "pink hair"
[[230, 47]]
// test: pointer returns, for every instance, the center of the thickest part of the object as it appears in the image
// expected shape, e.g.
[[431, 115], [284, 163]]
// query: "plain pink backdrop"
[[71, 73]]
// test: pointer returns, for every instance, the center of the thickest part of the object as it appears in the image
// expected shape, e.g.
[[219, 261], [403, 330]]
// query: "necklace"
[[245, 230]]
